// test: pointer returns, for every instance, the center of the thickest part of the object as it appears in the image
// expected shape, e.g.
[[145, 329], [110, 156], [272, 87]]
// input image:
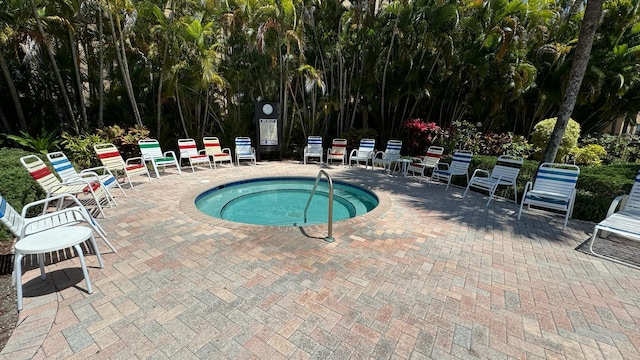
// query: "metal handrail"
[[329, 238]]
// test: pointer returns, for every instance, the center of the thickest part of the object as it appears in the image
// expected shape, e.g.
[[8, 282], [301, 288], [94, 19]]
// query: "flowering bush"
[[420, 135]]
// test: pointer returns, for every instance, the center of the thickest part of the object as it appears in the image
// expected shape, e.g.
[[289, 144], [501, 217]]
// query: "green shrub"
[[620, 148], [79, 149], [590, 155], [16, 185], [599, 185], [542, 133]]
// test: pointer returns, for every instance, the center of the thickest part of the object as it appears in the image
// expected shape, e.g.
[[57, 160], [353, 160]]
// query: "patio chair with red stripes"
[[112, 160]]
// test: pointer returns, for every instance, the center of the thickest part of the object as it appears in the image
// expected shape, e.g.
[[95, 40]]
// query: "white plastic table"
[[52, 240], [405, 163]]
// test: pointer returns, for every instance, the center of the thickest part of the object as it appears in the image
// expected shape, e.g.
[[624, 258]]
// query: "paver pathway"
[[426, 275]]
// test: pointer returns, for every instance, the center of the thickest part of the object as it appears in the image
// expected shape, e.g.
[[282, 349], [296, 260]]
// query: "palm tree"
[[592, 15]]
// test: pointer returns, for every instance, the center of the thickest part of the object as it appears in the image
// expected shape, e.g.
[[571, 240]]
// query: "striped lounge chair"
[[244, 150], [429, 161], [90, 192], [387, 157], [337, 151], [66, 171], [151, 151], [313, 149], [505, 173], [213, 149], [363, 153], [459, 166], [553, 188], [189, 151], [112, 160]]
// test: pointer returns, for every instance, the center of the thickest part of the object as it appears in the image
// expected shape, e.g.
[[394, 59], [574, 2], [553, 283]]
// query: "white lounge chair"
[[459, 167], [504, 173], [244, 150], [112, 160], [66, 171], [151, 152], [429, 161], [313, 149], [387, 157], [364, 153], [189, 151], [87, 188], [337, 151], [50, 232], [625, 222], [213, 149], [553, 188]]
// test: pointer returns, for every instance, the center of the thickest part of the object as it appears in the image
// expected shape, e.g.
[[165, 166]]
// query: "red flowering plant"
[[420, 134]]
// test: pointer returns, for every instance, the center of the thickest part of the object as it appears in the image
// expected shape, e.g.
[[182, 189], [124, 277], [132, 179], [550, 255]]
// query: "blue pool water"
[[281, 201]]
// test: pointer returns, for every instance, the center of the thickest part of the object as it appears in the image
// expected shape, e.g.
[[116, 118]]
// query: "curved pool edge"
[[188, 206]]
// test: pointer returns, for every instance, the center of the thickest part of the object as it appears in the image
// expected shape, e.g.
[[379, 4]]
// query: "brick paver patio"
[[428, 274]]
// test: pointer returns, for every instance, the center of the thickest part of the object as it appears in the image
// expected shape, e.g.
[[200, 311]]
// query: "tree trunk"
[[56, 70], [592, 15], [14, 93], [100, 68], [121, 54], [76, 67]]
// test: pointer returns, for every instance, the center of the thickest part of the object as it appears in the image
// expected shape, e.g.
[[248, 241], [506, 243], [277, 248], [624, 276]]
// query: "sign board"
[[268, 132], [268, 129]]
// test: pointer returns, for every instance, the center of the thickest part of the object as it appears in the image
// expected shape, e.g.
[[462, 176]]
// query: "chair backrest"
[[556, 178], [62, 165], [10, 217], [109, 156], [366, 147], [39, 171], [434, 153], [507, 168], [188, 148], [338, 147], [314, 144], [243, 146], [460, 162], [633, 202], [212, 146], [150, 149], [392, 151]]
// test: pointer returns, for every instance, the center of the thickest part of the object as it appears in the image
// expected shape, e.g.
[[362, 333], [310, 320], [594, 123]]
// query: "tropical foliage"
[[186, 68]]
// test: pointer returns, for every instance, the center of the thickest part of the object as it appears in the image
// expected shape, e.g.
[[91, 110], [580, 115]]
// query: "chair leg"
[[84, 268], [18, 278]]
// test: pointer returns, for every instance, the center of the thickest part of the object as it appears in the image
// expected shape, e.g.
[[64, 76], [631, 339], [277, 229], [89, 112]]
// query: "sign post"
[[268, 129]]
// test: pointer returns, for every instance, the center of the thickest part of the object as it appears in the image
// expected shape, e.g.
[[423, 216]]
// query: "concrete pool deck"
[[427, 274]]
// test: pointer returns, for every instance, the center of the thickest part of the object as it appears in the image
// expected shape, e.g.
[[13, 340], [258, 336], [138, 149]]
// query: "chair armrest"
[[134, 159], [375, 156], [619, 200], [104, 170], [415, 160], [480, 171], [353, 152], [227, 150], [445, 165], [59, 198], [527, 188]]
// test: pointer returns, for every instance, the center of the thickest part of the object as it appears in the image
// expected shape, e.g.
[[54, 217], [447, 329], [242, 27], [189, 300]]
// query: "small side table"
[[52, 240], [405, 163]]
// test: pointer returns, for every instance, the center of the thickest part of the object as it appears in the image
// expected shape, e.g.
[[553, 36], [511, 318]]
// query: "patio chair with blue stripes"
[[67, 171], [504, 173], [459, 167], [244, 150], [313, 149], [364, 153], [388, 156], [554, 188]]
